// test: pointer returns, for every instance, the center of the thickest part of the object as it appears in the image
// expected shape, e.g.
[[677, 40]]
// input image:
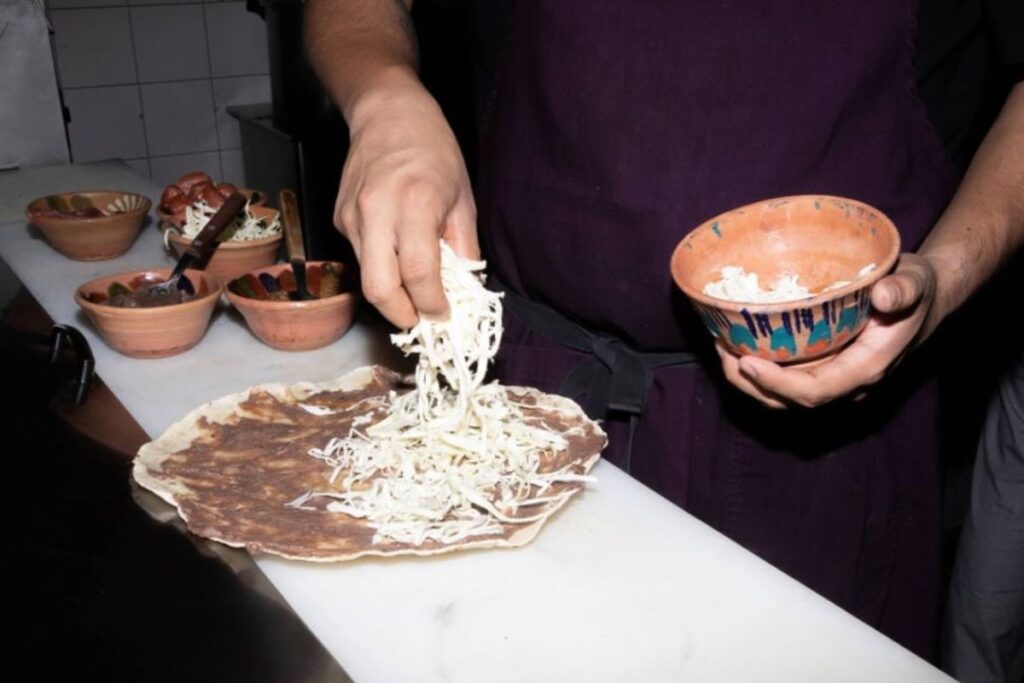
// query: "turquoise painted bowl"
[[836, 248]]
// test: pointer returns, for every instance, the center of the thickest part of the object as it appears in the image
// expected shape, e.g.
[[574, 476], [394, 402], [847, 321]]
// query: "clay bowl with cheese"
[[149, 331], [261, 296], [815, 259]]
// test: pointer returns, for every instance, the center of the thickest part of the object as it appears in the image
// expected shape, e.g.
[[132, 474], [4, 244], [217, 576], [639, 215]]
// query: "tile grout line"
[[138, 88], [213, 94]]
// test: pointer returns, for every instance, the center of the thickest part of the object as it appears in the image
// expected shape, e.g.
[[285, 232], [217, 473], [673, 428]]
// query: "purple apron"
[[618, 126]]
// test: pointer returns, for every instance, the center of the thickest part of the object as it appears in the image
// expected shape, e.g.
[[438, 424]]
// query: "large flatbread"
[[231, 466]]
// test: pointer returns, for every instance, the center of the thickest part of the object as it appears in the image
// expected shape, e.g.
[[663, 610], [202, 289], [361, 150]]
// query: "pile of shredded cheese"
[[246, 227], [453, 458], [736, 284]]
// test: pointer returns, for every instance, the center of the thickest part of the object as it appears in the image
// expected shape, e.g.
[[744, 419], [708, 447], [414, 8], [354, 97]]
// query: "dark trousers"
[[984, 630]]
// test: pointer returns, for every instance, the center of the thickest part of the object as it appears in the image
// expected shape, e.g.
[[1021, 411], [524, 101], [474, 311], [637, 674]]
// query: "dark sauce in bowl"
[[135, 293], [322, 281]]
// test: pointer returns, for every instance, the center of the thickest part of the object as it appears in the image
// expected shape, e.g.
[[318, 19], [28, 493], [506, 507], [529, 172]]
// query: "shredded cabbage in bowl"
[[246, 227]]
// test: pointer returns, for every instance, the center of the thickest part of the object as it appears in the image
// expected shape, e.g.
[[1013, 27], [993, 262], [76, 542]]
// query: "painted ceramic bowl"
[[836, 248], [151, 332], [235, 258], [176, 219], [91, 225], [295, 325]]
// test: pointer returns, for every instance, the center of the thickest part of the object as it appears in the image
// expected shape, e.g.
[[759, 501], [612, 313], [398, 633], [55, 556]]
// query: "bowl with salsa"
[[89, 226], [252, 242], [198, 188], [139, 325], [263, 298]]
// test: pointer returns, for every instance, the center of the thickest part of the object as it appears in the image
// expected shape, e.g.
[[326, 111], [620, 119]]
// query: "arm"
[[404, 184], [984, 223], [980, 229]]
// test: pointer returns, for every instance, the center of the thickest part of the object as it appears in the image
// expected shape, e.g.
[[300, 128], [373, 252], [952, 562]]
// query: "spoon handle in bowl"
[[292, 225], [206, 240]]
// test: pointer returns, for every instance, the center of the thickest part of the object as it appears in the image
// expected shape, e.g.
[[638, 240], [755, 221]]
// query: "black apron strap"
[[615, 377]]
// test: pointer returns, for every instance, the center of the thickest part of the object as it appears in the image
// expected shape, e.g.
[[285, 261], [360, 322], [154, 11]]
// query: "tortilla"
[[231, 467]]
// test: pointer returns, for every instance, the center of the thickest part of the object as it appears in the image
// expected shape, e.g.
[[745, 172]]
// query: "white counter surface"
[[620, 586]]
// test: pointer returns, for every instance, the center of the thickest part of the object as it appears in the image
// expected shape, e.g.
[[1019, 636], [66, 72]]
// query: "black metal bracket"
[[85, 363]]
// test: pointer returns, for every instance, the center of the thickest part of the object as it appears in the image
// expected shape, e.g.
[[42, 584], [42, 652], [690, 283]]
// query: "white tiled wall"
[[236, 39], [179, 117], [149, 81], [106, 122], [94, 46], [170, 41]]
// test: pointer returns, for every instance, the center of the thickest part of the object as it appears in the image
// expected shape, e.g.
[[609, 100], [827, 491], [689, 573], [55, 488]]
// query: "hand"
[[404, 185], [901, 302]]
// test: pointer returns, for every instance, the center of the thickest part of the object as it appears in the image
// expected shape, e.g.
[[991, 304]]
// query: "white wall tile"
[[167, 170], [170, 42], [94, 46], [232, 167], [237, 39], [106, 123], [179, 117], [237, 90], [66, 4], [141, 166]]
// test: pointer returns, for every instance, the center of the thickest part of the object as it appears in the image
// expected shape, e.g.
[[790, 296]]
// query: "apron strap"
[[615, 376]]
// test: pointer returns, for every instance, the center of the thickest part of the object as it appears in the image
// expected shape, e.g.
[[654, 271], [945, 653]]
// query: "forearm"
[[984, 223], [362, 50]]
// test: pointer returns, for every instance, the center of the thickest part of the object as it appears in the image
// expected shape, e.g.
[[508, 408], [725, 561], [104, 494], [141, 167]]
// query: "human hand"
[[901, 305], [404, 185]]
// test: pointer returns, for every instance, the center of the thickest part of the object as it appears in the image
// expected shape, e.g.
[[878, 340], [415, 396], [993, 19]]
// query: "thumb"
[[899, 291]]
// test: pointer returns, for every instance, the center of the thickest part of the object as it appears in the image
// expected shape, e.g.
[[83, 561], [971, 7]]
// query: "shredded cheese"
[[736, 284], [453, 458]]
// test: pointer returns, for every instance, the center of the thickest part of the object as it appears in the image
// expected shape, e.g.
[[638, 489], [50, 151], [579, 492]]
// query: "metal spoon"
[[293, 239]]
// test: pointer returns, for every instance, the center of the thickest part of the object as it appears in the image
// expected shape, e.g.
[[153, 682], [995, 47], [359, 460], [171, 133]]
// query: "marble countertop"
[[620, 586]]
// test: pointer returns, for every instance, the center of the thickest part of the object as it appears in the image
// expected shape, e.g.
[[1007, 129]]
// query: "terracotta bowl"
[[177, 219], [91, 239], [296, 325], [152, 332], [823, 240], [232, 259]]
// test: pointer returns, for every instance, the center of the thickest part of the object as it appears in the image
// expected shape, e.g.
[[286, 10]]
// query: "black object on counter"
[[107, 586]]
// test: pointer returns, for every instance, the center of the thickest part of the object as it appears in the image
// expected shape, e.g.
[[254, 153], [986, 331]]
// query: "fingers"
[[398, 250], [381, 276], [731, 367], [861, 364], [393, 206], [808, 386], [460, 230], [419, 259], [858, 366], [903, 300]]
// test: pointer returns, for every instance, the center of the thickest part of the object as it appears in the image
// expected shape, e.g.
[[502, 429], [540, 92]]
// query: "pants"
[[984, 629]]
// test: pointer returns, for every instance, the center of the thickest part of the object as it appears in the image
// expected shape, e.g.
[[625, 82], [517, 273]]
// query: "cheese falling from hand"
[[454, 457]]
